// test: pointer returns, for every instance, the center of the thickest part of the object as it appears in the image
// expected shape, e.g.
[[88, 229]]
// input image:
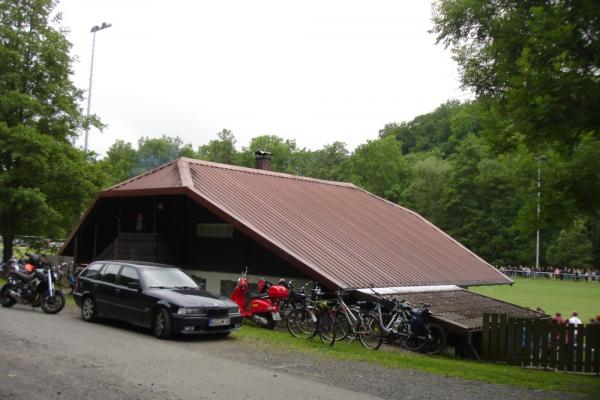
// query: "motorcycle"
[[35, 288], [7, 267], [262, 308]]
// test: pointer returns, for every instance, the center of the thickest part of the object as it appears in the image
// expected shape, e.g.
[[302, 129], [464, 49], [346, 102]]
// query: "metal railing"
[[588, 276]]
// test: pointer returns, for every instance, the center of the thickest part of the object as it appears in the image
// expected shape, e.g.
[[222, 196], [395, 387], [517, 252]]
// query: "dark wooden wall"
[[175, 219]]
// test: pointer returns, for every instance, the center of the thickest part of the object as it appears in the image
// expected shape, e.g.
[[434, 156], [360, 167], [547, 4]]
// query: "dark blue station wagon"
[[154, 296]]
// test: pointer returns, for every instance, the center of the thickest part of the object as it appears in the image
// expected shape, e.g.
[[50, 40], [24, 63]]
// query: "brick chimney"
[[263, 160]]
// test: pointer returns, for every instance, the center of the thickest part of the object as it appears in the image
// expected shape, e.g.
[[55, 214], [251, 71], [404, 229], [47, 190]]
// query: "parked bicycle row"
[[309, 312]]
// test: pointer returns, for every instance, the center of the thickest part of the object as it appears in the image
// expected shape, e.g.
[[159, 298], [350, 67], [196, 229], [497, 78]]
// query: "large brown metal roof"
[[335, 231]]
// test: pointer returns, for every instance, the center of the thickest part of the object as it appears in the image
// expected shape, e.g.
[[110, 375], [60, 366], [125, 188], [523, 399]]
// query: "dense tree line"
[[450, 173], [471, 167]]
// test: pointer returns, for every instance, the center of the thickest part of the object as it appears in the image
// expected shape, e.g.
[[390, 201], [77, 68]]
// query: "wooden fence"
[[541, 343]]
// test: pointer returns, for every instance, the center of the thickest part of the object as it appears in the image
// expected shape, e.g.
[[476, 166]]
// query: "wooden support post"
[[579, 349], [502, 328], [536, 332], [95, 247], [494, 338], [553, 356], [510, 341], [518, 342], [570, 348], [485, 340], [545, 342], [527, 332]]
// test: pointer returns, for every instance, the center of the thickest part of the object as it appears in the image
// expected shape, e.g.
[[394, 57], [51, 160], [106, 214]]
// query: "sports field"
[[551, 295]]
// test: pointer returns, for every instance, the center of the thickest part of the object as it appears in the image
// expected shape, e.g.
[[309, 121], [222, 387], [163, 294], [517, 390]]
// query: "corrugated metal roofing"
[[340, 232], [465, 308], [165, 176]]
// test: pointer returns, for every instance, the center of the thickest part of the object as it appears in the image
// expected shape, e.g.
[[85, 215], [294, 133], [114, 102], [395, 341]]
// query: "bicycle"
[[342, 320], [410, 325], [303, 321], [295, 299]]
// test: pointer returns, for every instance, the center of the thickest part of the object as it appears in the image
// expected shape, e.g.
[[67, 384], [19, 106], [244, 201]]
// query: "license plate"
[[276, 316], [219, 322]]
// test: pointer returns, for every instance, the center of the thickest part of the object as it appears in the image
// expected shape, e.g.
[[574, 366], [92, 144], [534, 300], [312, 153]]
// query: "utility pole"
[[539, 193], [89, 99]]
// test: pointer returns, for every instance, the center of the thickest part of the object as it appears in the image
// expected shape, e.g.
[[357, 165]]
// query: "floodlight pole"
[[89, 99], [539, 192]]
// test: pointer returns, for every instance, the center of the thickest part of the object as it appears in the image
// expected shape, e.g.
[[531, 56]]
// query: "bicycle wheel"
[[326, 326], [302, 323], [435, 341], [284, 309], [370, 334], [414, 342], [337, 321]]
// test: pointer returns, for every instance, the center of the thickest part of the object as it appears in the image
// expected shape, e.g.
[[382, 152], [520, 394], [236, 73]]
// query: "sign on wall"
[[214, 231]]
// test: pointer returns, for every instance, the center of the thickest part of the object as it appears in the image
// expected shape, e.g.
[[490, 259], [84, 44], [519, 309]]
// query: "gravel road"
[[61, 357]]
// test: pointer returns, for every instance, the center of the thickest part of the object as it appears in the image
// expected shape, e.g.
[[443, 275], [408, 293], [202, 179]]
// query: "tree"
[[39, 114], [537, 62], [379, 167], [330, 162], [119, 162], [427, 190], [440, 129], [572, 247], [482, 201], [221, 150], [153, 152], [284, 153]]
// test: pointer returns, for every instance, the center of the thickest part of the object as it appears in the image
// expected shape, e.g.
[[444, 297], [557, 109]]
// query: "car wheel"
[[162, 324], [89, 312]]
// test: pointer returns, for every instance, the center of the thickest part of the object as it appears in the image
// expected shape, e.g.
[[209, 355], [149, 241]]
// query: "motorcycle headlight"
[[191, 311]]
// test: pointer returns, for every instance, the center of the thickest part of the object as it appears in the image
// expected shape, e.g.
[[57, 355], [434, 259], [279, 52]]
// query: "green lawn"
[[551, 295], [439, 365]]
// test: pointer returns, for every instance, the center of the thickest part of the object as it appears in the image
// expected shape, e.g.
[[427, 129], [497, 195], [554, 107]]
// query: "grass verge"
[[444, 366]]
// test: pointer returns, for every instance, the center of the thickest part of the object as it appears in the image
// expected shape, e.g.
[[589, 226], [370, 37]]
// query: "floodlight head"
[[99, 28]]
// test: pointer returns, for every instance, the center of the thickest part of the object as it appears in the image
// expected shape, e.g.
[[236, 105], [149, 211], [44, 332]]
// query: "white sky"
[[313, 71]]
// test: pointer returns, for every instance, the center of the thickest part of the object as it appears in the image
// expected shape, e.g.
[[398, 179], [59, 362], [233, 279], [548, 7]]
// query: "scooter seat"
[[250, 296]]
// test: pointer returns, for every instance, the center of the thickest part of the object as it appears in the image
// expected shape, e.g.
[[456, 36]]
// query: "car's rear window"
[[92, 272], [127, 276], [109, 273]]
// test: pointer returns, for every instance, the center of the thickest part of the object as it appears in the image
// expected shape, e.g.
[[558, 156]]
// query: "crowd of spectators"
[[574, 319], [576, 274]]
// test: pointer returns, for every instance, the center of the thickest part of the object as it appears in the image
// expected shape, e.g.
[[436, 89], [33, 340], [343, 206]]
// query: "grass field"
[[552, 295]]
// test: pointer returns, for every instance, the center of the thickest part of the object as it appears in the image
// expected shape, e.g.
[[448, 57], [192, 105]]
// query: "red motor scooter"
[[262, 308]]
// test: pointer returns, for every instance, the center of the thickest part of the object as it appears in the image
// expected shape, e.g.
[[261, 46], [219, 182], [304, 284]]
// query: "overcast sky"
[[313, 71]]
